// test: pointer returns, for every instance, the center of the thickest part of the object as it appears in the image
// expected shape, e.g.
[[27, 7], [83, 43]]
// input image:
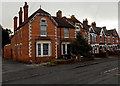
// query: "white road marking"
[[110, 70]]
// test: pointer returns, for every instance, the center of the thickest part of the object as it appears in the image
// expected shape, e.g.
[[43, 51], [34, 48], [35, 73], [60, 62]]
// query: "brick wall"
[[7, 52]]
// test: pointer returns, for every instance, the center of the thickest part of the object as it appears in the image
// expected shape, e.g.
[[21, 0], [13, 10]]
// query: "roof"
[[106, 31], [73, 20], [113, 32], [62, 22], [97, 29], [38, 11], [86, 27]]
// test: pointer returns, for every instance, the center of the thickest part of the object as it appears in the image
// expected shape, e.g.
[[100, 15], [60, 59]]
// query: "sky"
[[103, 13]]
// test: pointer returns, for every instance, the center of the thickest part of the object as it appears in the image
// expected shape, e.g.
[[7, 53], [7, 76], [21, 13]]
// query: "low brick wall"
[[7, 51], [87, 58], [65, 61], [84, 59]]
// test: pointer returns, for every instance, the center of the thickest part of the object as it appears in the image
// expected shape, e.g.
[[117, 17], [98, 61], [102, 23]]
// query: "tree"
[[6, 33], [80, 46]]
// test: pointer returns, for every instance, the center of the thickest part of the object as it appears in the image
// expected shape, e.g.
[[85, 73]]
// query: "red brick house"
[[101, 39], [42, 36]]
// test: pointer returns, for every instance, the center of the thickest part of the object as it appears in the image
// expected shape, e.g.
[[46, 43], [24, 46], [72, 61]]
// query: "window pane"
[[43, 30], [45, 49], [39, 49], [68, 48], [63, 48], [66, 32]]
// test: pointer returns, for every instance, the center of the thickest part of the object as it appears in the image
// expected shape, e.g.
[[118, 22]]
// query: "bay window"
[[43, 49]]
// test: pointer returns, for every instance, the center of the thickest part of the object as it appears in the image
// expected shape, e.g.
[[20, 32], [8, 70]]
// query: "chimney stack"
[[73, 17], [85, 21], [25, 12], [15, 23], [93, 24], [59, 14], [20, 16]]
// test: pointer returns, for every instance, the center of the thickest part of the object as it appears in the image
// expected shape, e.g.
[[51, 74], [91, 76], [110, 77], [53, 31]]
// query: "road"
[[99, 71]]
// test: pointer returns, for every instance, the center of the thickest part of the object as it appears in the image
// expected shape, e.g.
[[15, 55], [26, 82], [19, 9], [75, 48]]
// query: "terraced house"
[[43, 36]]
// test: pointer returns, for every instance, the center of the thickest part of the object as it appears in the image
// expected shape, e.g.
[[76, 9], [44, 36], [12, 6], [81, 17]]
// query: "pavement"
[[24, 73]]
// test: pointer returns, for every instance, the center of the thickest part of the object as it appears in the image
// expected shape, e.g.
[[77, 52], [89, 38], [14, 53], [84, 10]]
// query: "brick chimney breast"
[[15, 23], [20, 16], [59, 14], [93, 24], [25, 12], [73, 17], [85, 21]]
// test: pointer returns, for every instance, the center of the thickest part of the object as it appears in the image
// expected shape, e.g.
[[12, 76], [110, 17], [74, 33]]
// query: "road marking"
[[110, 70]]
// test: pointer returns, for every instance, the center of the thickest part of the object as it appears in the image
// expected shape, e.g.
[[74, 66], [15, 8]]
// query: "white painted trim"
[[66, 43], [56, 43], [49, 48], [21, 49], [7, 44], [41, 41], [29, 38], [91, 28], [43, 35], [62, 49], [68, 33], [37, 14]]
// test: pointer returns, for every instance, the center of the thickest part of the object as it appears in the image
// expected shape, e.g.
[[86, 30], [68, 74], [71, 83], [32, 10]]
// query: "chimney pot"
[[93, 24], [59, 14], [85, 21], [73, 16]]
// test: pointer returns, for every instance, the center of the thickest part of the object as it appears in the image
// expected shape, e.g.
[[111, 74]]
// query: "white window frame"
[[117, 41], [108, 39], [113, 39], [43, 24], [66, 43], [49, 49], [100, 38], [65, 33], [20, 49], [93, 37], [45, 30]]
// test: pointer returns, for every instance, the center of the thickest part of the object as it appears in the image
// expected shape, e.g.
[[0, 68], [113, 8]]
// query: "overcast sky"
[[103, 13]]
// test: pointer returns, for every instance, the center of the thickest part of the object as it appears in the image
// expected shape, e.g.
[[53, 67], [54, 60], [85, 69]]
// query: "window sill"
[[43, 35], [43, 56], [66, 37]]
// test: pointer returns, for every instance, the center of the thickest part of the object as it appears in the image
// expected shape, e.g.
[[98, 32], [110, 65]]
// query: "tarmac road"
[[99, 71]]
